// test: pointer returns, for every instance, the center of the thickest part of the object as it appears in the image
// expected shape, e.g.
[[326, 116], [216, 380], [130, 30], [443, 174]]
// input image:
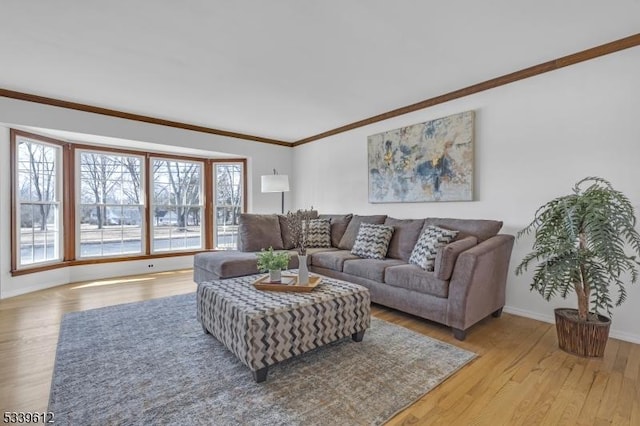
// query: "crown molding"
[[565, 61], [585, 55], [135, 117]]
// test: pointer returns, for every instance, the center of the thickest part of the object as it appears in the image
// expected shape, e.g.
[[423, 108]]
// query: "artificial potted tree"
[[272, 262], [580, 244]]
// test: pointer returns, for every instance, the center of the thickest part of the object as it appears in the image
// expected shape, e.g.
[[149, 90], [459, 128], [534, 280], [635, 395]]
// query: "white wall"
[[262, 158], [533, 140]]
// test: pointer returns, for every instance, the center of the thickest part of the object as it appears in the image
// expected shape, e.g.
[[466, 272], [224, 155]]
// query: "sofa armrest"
[[478, 282], [447, 256]]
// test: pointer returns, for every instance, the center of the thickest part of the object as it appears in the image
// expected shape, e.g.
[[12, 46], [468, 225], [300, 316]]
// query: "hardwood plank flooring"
[[519, 378]]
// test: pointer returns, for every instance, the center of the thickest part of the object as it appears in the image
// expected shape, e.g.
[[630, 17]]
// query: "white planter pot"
[[275, 276]]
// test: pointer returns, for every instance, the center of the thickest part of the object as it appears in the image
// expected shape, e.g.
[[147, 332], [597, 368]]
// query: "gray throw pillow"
[[339, 223], [350, 234], [372, 241], [405, 235], [287, 238], [425, 251], [319, 233], [259, 231]]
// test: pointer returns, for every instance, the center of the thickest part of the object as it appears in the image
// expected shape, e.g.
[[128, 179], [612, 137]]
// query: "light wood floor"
[[520, 377]]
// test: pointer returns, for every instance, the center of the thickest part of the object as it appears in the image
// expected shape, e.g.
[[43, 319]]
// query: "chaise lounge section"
[[466, 285]]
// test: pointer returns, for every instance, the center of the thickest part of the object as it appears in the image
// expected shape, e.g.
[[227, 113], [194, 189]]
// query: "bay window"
[[78, 204]]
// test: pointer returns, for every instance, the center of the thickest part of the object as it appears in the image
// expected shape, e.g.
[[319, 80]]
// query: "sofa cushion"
[[293, 262], [339, 223], [426, 249], [319, 233], [412, 277], [227, 264], [480, 228], [333, 260], [373, 269], [350, 234], [259, 231], [447, 256], [312, 251], [372, 241], [405, 234], [287, 237]]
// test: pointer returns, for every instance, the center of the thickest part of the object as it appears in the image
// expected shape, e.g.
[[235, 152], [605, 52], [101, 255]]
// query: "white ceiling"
[[285, 69]]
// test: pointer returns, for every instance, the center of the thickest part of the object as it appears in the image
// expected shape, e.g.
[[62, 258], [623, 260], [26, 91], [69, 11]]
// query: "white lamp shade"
[[275, 183]]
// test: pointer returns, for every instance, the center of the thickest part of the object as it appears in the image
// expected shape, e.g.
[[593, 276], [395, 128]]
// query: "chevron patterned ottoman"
[[263, 328]]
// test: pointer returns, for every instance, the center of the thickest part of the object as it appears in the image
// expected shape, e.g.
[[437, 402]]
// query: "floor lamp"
[[275, 183]]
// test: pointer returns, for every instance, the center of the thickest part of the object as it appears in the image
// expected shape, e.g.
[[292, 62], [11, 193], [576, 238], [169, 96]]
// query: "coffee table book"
[[289, 283]]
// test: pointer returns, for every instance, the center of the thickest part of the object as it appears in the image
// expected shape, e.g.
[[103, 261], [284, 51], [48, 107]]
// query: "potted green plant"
[[580, 243], [272, 262]]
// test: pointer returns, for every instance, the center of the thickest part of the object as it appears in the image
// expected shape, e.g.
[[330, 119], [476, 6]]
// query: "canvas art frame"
[[425, 162]]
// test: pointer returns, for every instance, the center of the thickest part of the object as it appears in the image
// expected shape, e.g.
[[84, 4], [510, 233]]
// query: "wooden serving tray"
[[263, 283]]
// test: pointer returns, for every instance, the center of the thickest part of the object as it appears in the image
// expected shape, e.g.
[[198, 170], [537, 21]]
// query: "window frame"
[[69, 224], [79, 150], [16, 264], [243, 187], [152, 203]]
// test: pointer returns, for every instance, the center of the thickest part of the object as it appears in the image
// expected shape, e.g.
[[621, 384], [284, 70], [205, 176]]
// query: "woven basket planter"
[[584, 338]]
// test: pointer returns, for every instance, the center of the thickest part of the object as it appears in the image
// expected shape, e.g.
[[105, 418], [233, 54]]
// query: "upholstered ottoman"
[[263, 328]]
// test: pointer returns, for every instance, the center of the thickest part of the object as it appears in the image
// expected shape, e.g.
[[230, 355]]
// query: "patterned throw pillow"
[[425, 250], [319, 233], [372, 241]]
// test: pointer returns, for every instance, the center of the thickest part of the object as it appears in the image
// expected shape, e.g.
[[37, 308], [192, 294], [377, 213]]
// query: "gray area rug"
[[150, 363]]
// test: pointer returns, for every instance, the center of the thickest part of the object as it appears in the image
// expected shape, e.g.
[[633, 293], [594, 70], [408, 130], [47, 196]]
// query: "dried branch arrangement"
[[298, 223]]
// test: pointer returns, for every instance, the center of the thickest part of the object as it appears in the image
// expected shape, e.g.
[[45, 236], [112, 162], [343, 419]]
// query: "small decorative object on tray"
[[263, 283]]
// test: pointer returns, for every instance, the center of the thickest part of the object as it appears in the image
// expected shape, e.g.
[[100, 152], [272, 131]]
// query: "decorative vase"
[[303, 270], [275, 275]]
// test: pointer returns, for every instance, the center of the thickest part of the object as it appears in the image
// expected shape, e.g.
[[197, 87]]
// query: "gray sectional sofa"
[[467, 283]]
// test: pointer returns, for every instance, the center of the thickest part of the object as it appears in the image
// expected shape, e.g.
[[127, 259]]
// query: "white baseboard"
[[622, 335], [30, 288], [28, 283]]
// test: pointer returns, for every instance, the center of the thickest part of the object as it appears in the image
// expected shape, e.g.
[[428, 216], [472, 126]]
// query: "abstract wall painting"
[[431, 161]]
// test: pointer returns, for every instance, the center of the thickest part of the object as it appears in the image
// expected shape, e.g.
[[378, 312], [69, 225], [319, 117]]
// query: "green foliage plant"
[[268, 260], [580, 242]]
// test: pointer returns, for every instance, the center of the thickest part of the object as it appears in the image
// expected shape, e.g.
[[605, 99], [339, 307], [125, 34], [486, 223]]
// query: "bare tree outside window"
[[132, 192], [229, 201], [110, 212], [177, 205], [97, 181], [41, 185], [38, 202]]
